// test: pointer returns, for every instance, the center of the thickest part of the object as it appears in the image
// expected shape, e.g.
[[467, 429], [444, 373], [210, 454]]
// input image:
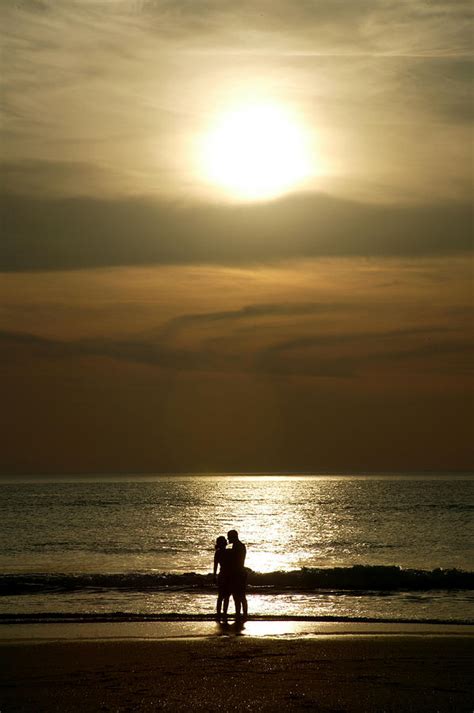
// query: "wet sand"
[[325, 673]]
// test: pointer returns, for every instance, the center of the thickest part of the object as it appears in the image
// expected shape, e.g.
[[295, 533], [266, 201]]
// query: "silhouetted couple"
[[232, 576]]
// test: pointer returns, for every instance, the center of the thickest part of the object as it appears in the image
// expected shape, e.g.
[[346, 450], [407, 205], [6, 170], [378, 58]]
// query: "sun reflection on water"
[[276, 520]]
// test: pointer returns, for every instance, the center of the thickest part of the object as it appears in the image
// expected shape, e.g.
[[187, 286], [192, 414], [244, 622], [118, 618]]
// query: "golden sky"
[[236, 236]]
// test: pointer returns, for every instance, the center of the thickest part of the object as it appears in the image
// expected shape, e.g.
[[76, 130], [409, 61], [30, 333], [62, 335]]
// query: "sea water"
[[385, 548]]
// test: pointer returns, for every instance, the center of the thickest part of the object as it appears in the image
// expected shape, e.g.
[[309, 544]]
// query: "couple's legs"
[[241, 605], [222, 604]]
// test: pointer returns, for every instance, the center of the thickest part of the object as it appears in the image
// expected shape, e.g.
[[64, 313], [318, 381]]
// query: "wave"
[[357, 578]]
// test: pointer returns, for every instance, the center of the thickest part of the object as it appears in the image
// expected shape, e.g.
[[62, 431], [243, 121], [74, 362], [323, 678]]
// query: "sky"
[[163, 311]]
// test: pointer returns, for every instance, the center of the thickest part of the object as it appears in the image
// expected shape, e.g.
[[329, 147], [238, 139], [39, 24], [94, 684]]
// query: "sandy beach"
[[349, 672]]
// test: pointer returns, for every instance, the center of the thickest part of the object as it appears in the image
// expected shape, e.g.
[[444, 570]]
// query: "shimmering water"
[[169, 525]]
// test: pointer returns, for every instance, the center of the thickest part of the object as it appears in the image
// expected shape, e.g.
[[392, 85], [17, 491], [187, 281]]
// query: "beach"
[[360, 672], [360, 596]]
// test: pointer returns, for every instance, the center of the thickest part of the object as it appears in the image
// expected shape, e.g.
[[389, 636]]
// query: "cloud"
[[336, 355], [58, 179], [407, 26], [249, 312], [353, 337], [25, 345], [322, 26], [357, 351], [20, 345], [41, 234]]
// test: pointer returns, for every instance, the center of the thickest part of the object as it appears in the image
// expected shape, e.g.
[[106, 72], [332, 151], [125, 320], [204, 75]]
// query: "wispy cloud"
[[406, 27], [349, 353], [325, 26], [254, 313], [429, 348]]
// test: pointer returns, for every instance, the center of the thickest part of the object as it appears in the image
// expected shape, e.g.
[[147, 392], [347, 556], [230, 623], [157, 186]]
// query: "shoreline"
[[126, 617], [207, 629]]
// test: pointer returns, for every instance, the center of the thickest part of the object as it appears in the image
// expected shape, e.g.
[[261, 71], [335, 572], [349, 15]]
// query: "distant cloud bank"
[[42, 234]]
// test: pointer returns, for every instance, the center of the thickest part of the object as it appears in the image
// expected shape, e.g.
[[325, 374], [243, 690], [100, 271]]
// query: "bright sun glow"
[[256, 151]]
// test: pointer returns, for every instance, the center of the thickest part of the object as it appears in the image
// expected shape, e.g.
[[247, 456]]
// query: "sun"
[[256, 151]]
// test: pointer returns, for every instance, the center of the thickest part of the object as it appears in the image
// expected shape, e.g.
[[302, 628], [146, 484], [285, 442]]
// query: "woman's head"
[[221, 543]]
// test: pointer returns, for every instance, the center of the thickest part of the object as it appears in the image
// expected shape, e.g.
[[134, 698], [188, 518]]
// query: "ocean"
[[323, 547]]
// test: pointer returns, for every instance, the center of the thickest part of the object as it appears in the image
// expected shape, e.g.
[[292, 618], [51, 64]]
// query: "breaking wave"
[[357, 578]]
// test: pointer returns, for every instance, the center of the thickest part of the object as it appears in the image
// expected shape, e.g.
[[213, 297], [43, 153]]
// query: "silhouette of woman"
[[223, 561]]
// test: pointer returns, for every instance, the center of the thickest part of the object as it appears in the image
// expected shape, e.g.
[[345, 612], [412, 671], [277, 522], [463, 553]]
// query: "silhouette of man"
[[238, 573]]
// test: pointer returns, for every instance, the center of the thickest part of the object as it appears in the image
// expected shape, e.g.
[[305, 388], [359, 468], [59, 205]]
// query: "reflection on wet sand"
[[253, 628]]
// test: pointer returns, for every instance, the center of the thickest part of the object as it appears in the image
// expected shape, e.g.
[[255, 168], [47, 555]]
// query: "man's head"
[[233, 536]]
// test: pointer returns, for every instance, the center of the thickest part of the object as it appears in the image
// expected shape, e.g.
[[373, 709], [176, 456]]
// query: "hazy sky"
[[153, 320]]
